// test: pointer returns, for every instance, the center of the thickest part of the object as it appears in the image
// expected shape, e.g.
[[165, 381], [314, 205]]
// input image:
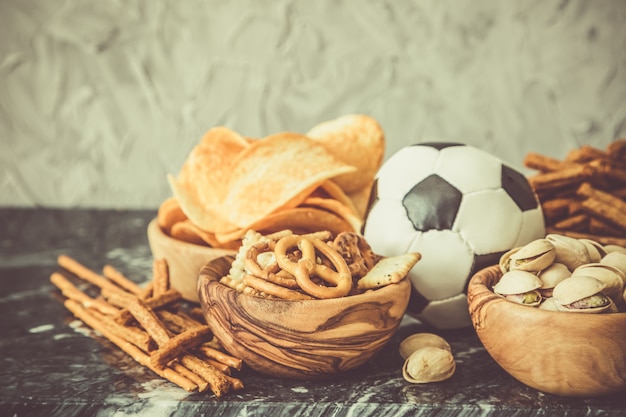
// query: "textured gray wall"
[[100, 99]]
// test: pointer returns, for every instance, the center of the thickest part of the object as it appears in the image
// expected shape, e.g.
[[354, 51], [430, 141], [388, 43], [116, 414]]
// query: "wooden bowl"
[[569, 354], [183, 259], [305, 340]]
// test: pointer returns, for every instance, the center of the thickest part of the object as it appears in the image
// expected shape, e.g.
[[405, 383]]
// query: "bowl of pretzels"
[[305, 306]]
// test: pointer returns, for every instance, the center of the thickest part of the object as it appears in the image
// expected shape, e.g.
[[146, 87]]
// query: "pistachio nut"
[[569, 251], [534, 256], [594, 249], [505, 260], [419, 340], [614, 248], [616, 259], [428, 364], [520, 287], [583, 294], [611, 277], [551, 276]]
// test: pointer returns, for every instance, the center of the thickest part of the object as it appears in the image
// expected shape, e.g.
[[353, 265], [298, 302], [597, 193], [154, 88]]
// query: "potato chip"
[[200, 184], [169, 213], [336, 207], [357, 140], [276, 173]]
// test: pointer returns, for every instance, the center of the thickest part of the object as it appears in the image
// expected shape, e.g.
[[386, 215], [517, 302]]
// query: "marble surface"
[[95, 93], [51, 365]]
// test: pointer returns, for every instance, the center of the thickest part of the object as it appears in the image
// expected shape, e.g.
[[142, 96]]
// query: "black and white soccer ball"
[[461, 208]]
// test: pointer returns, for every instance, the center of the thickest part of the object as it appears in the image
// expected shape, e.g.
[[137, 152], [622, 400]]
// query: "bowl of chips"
[[282, 326], [230, 184]]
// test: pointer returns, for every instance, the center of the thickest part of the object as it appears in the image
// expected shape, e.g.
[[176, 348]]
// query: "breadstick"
[[197, 379], [178, 322], [567, 177], [614, 213], [176, 345], [118, 278], [543, 163], [71, 291], [149, 321], [217, 380], [85, 273], [579, 223], [133, 351], [220, 356], [585, 154], [161, 277], [168, 298], [134, 335]]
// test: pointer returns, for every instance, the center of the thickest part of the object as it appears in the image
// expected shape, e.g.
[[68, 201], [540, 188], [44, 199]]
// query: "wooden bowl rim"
[[480, 295], [155, 231], [384, 292]]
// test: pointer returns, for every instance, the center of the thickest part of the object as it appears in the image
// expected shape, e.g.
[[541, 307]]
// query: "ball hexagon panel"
[[405, 169], [432, 204], [489, 220], [388, 231], [469, 169], [445, 263], [451, 313], [533, 226]]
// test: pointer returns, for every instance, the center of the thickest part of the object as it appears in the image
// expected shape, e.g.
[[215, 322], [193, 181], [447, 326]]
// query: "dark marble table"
[[51, 366]]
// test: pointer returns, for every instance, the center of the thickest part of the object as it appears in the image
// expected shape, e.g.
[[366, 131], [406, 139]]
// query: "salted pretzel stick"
[[178, 322], [178, 344], [85, 273], [134, 352], [195, 378], [220, 356], [116, 298], [217, 380], [169, 297], [134, 335], [71, 291], [161, 277], [567, 177], [149, 321], [543, 163], [122, 281], [225, 369]]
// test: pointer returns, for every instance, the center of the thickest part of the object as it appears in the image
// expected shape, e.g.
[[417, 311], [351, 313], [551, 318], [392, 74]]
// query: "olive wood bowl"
[[569, 354], [305, 340], [184, 259]]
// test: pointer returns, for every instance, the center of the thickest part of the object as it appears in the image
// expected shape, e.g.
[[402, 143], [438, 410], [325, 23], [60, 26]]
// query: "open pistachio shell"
[[419, 340], [517, 282], [576, 288], [595, 250], [549, 304], [534, 256], [569, 251], [612, 277], [505, 260], [428, 364], [551, 276], [614, 248], [609, 308], [616, 259]]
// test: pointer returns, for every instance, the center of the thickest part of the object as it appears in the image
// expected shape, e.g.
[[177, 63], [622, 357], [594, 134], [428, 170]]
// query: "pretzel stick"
[[217, 380], [118, 299], [118, 278], [543, 163], [149, 321], [567, 177], [222, 367], [176, 345], [146, 291], [179, 322], [270, 288], [85, 273], [71, 291], [197, 379], [134, 335], [134, 352], [161, 277], [578, 223], [220, 356], [167, 298]]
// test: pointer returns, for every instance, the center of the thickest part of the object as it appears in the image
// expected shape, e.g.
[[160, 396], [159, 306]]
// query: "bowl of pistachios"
[[553, 315]]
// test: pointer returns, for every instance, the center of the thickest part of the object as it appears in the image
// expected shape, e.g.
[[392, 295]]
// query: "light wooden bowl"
[[304, 340], [569, 354], [183, 259]]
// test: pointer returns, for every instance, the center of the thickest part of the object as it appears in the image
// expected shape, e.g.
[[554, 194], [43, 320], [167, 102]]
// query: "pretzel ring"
[[307, 266], [270, 288]]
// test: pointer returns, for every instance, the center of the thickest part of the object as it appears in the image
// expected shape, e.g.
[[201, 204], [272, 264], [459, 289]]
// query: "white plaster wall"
[[100, 99]]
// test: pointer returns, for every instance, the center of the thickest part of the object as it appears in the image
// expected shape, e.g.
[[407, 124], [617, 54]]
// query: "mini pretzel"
[[307, 266], [356, 252], [272, 289]]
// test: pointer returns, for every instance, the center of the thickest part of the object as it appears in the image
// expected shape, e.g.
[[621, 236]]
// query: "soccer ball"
[[461, 208]]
